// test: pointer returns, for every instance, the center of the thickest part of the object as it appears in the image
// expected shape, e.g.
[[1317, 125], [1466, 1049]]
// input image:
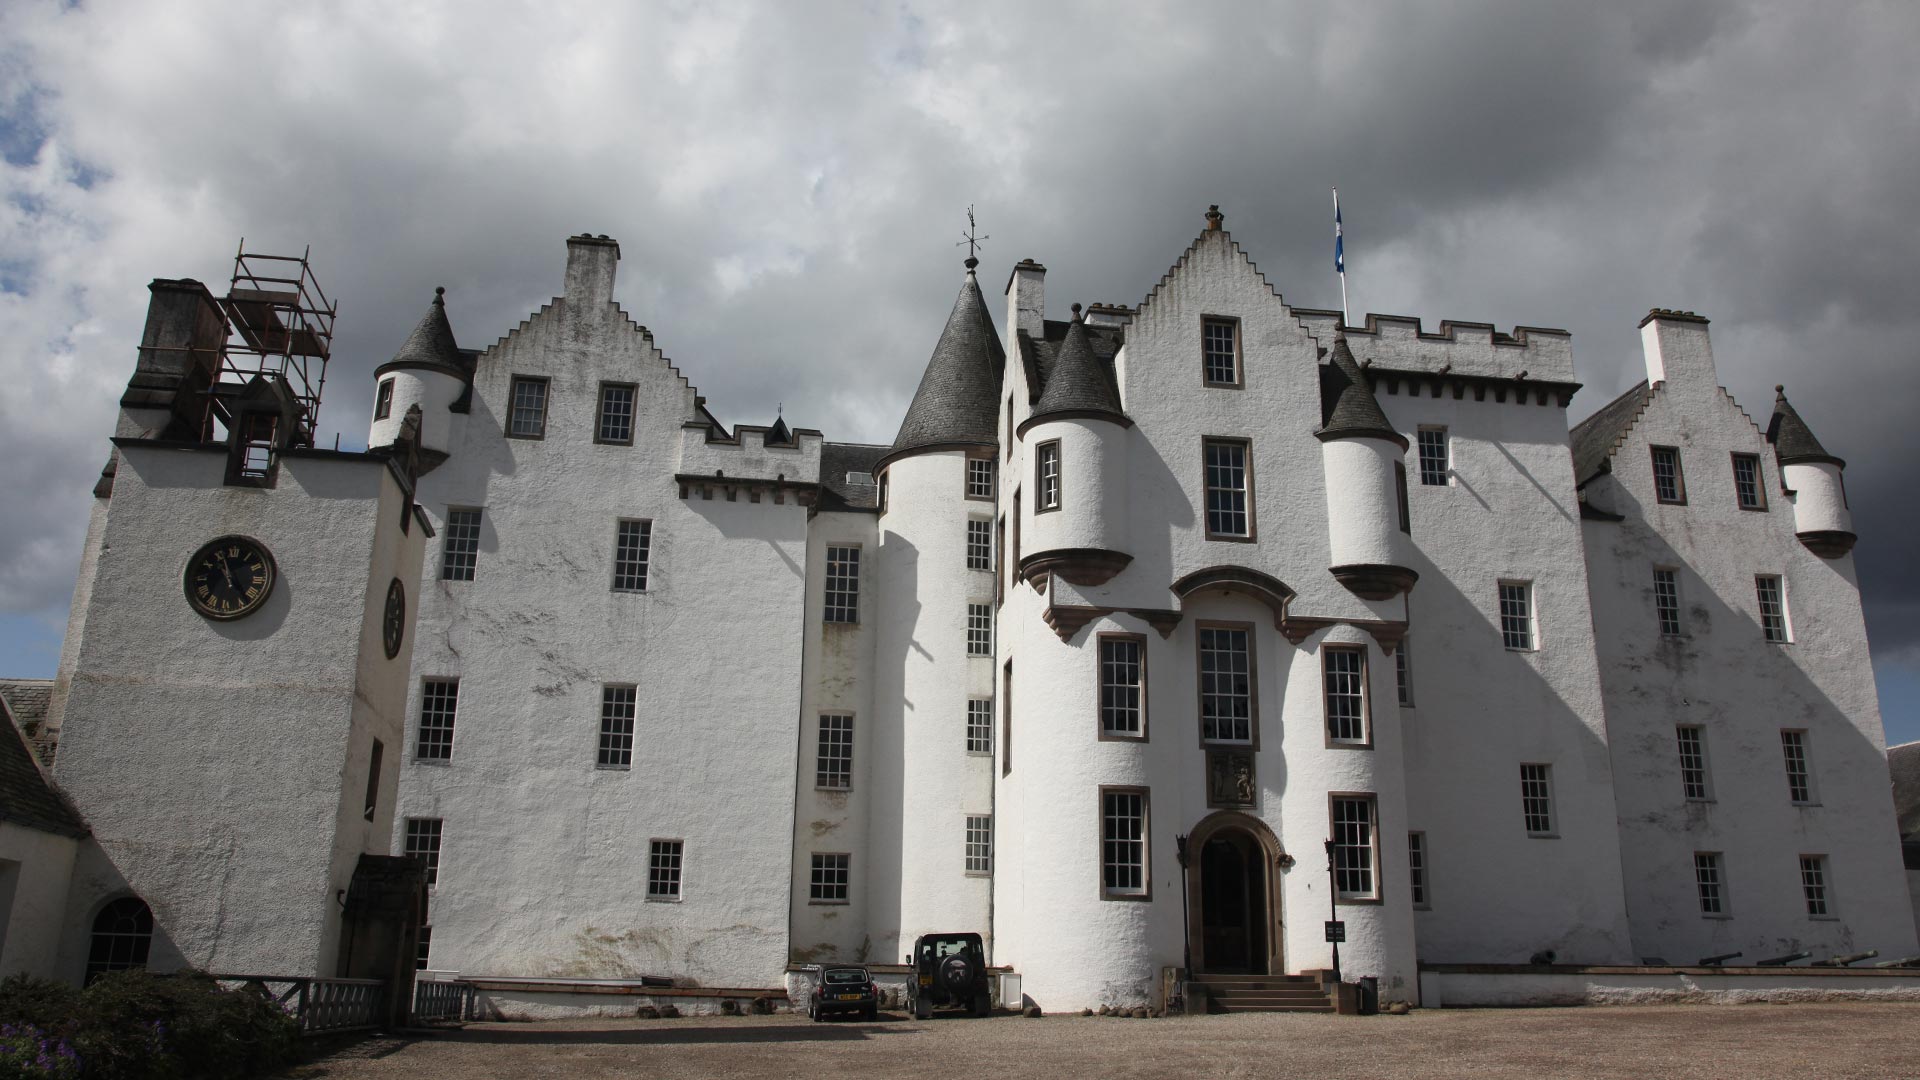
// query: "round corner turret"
[[1361, 454], [426, 373]]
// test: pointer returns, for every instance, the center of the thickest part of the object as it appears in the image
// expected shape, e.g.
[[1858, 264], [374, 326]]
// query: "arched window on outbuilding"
[[122, 934]]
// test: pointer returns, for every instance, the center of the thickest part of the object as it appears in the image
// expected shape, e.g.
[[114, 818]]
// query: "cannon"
[[1782, 961], [1716, 961], [1850, 958], [1905, 961]]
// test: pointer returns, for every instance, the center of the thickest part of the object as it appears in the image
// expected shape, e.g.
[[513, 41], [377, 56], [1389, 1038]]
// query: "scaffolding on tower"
[[281, 329]]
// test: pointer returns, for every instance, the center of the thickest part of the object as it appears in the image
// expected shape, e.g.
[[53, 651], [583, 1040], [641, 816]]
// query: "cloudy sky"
[[787, 182]]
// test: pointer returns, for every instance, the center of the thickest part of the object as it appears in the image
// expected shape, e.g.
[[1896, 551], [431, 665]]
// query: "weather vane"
[[970, 241]]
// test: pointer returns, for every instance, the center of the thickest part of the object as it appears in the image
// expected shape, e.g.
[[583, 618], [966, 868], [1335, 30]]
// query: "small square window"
[[383, 400], [1668, 484], [618, 705], [616, 414], [1433, 456], [663, 869], [834, 759], [1220, 347], [980, 478], [829, 877], [527, 412], [632, 542], [1516, 615], [979, 844], [1747, 489]]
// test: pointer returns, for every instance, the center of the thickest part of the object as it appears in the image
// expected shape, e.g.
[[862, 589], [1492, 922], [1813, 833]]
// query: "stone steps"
[[1266, 993]]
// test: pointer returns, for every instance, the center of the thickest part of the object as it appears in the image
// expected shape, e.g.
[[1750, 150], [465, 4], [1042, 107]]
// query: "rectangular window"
[[980, 725], [1433, 456], [1693, 762], [1668, 485], [843, 585], [1226, 684], [979, 844], [439, 700], [1228, 487], [1417, 867], [383, 400], [373, 778], [618, 705], [1666, 600], [632, 542], [1793, 748], [1747, 489], [527, 413], [1813, 883], [830, 873], [999, 545], [460, 552], [979, 629], [663, 869], [423, 948], [1711, 883], [1006, 719], [1123, 842], [1516, 614], [1046, 476], [1123, 686], [1344, 674], [616, 414], [979, 544], [423, 842], [1220, 345], [980, 478], [1536, 798], [834, 765], [1403, 674], [1773, 607], [1355, 870]]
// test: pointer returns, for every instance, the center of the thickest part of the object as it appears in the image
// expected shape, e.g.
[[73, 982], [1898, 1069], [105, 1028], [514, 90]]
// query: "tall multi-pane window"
[[1668, 485], [439, 701], [1354, 851], [1710, 882], [1123, 684], [834, 762], [527, 410], [1433, 456], [616, 414], [979, 544], [1773, 606], [383, 400], [830, 872], [1666, 600], [1046, 476], [1746, 482], [1344, 673], [1227, 489], [979, 630], [618, 704], [1123, 842], [1692, 742], [1403, 673], [663, 869], [632, 542], [423, 948], [423, 842], [460, 552], [979, 843], [1220, 347], [1516, 614], [980, 725], [1536, 798], [1813, 884], [1793, 749], [979, 478], [1417, 867], [843, 585], [1226, 684]]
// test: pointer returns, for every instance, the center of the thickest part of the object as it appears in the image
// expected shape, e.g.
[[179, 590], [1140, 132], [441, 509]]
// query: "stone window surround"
[[514, 383], [600, 413], [632, 555], [383, 399], [1372, 823], [1253, 685], [1246, 488], [1102, 733], [1144, 842], [1047, 498], [1758, 504], [1232, 325], [1327, 651], [1679, 475]]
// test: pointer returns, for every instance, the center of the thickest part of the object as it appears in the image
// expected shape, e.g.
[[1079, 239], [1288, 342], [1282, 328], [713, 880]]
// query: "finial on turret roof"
[[971, 242], [1076, 312], [1780, 389], [1215, 218], [439, 294]]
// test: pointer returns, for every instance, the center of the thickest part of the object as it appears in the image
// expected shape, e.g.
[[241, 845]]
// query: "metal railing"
[[443, 1000], [319, 1005]]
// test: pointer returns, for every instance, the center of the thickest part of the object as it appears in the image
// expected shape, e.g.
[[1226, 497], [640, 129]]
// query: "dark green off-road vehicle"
[[949, 972]]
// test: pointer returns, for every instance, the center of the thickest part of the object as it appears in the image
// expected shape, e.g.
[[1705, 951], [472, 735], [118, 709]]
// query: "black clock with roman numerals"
[[230, 578]]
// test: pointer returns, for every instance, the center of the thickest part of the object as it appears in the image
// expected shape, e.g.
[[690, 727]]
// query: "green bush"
[[130, 1025], [41, 1003]]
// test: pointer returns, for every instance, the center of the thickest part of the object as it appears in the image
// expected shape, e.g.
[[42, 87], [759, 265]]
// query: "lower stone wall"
[[563, 999], [1519, 986]]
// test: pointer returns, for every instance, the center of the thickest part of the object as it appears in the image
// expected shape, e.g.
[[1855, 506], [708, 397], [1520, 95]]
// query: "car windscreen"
[[839, 976]]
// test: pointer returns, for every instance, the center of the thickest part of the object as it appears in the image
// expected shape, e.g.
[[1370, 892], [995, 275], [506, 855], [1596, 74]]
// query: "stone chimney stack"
[[591, 261], [1675, 343], [1027, 300], [178, 360]]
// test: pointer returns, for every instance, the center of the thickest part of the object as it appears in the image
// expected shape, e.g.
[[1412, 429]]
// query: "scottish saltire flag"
[[1339, 243]]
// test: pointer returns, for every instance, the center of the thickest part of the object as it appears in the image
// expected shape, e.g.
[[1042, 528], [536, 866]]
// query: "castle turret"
[[1813, 481], [1363, 458], [426, 372], [1076, 440]]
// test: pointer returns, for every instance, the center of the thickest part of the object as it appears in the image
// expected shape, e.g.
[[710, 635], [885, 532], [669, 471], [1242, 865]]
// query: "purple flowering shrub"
[[130, 1025], [29, 1052]]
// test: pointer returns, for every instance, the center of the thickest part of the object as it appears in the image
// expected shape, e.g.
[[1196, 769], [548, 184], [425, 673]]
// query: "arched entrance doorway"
[[1233, 884]]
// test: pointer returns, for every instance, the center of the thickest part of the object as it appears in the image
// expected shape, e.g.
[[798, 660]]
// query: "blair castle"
[[1160, 642]]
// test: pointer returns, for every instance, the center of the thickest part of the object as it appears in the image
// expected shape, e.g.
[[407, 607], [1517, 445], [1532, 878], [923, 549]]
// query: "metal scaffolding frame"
[[280, 324]]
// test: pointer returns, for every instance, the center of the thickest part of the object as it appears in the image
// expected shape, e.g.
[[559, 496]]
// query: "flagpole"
[[1340, 256]]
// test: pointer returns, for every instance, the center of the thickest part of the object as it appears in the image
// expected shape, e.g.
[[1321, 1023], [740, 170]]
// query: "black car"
[[844, 990], [949, 971]]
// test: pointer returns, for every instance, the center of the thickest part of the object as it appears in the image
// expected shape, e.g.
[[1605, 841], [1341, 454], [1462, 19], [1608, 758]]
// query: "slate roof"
[[1041, 355], [1077, 381], [1348, 407], [432, 340], [26, 797], [27, 700], [1593, 439], [1793, 442], [839, 459], [957, 402]]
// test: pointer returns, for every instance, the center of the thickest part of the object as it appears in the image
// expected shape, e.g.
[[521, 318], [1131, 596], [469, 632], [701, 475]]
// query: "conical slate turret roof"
[[1793, 442], [1078, 383], [957, 403], [431, 343], [1350, 408]]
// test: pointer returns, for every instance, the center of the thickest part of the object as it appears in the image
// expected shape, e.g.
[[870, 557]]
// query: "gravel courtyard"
[[1748, 1042]]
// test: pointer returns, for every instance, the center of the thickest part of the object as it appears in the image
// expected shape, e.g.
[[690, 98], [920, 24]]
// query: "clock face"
[[394, 629], [229, 578]]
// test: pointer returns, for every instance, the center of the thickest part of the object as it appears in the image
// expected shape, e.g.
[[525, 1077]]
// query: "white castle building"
[[1143, 618]]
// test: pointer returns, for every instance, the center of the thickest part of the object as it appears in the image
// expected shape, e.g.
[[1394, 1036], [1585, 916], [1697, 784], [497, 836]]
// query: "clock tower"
[[235, 676]]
